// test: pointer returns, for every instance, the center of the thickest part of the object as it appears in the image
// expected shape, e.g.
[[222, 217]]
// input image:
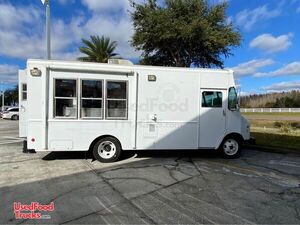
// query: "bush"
[[286, 128], [295, 125], [278, 124]]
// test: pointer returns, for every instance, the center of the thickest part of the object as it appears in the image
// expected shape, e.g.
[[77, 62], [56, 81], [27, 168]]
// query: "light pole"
[[46, 3], [2, 92]]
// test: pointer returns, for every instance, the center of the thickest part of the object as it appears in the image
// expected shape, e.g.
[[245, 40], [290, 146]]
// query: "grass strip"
[[277, 140]]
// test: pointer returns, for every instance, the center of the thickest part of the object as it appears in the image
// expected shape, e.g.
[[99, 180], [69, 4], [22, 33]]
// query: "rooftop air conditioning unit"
[[120, 62]]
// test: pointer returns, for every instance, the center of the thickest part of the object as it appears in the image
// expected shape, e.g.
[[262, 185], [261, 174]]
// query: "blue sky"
[[267, 60]]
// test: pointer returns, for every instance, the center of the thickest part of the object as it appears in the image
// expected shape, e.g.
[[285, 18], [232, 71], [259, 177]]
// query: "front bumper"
[[5, 116]]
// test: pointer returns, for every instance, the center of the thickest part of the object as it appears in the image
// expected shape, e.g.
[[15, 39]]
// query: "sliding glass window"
[[91, 99], [116, 100], [65, 98]]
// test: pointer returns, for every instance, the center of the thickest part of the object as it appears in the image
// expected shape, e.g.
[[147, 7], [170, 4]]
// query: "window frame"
[[66, 98], [115, 99], [204, 100], [22, 91], [84, 98]]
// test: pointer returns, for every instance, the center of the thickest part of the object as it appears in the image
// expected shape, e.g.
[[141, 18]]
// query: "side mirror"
[[236, 107]]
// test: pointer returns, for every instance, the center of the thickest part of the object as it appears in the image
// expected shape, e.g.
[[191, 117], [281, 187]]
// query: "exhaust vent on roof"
[[120, 62]]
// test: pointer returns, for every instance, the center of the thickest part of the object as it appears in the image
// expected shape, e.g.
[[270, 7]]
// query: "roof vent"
[[120, 62]]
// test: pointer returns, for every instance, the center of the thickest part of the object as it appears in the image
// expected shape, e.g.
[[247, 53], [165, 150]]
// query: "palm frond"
[[98, 49]]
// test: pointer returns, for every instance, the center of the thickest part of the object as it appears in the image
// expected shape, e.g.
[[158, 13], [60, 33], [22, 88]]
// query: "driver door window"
[[212, 99]]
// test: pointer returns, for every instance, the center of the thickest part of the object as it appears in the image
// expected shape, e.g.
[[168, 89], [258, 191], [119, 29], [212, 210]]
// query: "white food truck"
[[110, 108]]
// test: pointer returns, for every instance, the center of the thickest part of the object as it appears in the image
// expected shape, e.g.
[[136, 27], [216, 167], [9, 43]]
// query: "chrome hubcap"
[[106, 149], [231, 147]]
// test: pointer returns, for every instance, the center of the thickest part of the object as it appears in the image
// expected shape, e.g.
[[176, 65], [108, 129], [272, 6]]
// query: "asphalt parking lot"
[[149, 187]]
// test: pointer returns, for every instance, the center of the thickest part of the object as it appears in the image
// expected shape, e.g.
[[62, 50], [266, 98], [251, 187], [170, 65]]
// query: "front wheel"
[[15, 117], [231, 147], [107, 150]]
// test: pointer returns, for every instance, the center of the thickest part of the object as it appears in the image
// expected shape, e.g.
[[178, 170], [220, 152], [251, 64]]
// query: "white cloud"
[[248, 18], [283, 86], [26, 38], [106, 6], [8, 73], [20, 30], [289, 69], [14, 17], [271, 44], [121, 31], [251, 67], [21, 33]]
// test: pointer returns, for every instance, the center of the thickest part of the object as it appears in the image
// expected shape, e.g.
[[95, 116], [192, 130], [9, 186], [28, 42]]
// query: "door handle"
[[224, 113], [22, 108], [154, 118]]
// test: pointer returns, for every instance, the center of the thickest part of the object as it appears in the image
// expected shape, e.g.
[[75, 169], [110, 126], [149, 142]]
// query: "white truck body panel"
[[22, 103], [163, 114]]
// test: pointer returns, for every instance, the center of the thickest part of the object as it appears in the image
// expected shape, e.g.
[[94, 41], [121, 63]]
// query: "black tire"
[[231, 147], [14, 117], [107, 150]]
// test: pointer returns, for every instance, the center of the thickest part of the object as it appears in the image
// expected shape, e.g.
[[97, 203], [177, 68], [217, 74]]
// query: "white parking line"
[[284, 163], [13, 138], [10, 142], [4, 140]]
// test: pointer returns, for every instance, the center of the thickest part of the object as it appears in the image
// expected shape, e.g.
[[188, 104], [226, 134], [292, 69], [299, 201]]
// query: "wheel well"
[[14, 115], [233, 135], [101, 137]]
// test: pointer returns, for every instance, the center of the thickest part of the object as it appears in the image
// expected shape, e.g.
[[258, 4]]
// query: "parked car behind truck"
[[11, 113], [3, 109]]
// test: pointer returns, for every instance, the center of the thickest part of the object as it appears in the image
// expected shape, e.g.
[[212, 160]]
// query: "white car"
[[11, 113], [4, 109]]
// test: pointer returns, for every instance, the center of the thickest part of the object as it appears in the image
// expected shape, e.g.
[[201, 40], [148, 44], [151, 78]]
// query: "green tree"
[[10, 96], [183, 33], [98, 49]]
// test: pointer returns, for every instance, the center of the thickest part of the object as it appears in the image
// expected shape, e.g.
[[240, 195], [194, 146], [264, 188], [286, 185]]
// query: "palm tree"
[[98, 49]]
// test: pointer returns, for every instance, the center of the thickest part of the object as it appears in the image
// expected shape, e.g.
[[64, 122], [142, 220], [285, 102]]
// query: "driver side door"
[[212, 122]]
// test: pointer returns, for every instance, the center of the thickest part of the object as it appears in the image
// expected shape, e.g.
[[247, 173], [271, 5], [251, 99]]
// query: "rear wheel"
[[15, 117], [231, 147], [107, 150]]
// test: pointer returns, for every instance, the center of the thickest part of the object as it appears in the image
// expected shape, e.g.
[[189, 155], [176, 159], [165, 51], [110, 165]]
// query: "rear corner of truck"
[[36, 106]]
